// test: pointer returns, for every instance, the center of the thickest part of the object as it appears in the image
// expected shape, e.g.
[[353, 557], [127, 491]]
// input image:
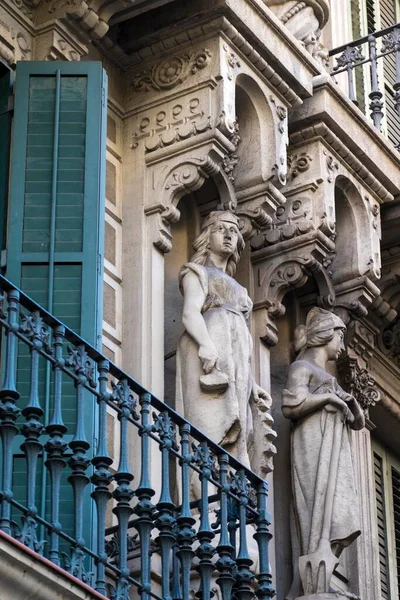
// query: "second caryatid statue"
[[325, 504], [215, 389]]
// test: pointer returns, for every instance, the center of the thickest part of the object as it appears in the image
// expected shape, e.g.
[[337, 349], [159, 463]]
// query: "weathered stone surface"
[[215, 389], [323, 479]]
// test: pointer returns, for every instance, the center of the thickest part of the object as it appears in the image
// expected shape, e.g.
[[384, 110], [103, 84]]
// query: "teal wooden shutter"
[[6, 82], [56, 226], [56, 214]]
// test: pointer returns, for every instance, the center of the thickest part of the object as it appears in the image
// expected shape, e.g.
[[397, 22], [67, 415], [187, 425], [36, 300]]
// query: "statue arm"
[[298, 402], [359, 417], [193, 321]]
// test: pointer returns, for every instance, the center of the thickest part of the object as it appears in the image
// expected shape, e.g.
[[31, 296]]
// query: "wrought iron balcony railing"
[[372, 65], [169, 528]]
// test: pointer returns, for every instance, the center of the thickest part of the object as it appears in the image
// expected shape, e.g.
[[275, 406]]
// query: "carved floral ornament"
[[172, 71], [358, 382]]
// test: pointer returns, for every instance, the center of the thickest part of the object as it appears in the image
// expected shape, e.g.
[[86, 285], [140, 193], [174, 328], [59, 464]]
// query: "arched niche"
[[353, 236], [192, 207], [256, 149]]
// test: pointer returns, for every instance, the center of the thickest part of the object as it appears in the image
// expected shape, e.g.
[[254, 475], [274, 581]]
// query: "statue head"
[[322, 328], [211, 224]]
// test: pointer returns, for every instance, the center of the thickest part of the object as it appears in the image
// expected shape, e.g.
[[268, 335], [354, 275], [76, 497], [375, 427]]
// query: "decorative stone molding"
[[27, 7], [171, 71], [232, 61], [91, 17], [389, 341], [358, 382], [354, 298], [184, 119], [386, 305], [218, 26], [298, 163], [55, 43], [184, 177], [7, 44], [292, 220], [287, 265], [321, 130]]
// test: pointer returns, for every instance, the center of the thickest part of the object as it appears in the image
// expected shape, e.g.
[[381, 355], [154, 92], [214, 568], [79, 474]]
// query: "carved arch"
[[183, 177], [283, 275]]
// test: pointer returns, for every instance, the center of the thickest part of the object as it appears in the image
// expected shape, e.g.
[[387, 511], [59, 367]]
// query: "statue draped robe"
[[311, 444], [224, 417]]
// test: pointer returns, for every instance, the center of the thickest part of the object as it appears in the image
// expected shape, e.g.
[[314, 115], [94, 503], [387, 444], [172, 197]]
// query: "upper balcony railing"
[[200, 525], [372, 65]]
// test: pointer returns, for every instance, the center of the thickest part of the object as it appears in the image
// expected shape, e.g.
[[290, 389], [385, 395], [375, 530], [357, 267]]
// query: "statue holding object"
[[325, 504], [215, 389]]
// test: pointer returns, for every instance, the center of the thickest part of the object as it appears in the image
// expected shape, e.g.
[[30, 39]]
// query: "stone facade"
[[228, 105]]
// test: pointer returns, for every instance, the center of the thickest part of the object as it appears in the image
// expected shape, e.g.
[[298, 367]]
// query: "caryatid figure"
[[325, 503]]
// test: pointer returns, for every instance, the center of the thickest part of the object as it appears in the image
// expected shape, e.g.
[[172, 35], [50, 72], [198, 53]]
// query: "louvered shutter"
[[356, 27], [381, 525], [396, 520], [56, 226], [388, 18], [6, 81]]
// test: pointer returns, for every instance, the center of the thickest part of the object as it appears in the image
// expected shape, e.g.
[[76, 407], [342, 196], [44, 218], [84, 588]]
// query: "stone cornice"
[[323, 132], [331, 106], [251, 18], [203, 32]]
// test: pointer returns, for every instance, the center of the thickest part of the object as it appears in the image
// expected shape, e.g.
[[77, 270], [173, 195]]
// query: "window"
[[368, 16], [387, 502]]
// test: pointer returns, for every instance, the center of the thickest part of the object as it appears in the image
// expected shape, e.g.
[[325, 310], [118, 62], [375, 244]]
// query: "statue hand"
[[339, 403], [261, 397], [209, 357]]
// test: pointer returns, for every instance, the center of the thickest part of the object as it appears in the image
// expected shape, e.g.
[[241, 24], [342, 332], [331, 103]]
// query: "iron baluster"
[[79, 461], [55, 445], [262, 537], [185, 521], [123, 493], [165, 521], [376, 95], [391, 43], [244, 577], [38, 335], [102, 477], [145, 508], [205, 534], [225, 550], [346, 60], [176, 575], [8, 410]]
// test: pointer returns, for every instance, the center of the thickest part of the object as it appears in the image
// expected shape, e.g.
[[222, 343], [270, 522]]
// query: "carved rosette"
[[171, 71]]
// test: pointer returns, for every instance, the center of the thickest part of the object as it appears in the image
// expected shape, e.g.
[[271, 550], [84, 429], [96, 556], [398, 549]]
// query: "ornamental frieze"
[[171, 71]]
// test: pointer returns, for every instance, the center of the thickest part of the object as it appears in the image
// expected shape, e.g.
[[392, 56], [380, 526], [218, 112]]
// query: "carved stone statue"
[[215, 389], [325, 505], [305, 21]]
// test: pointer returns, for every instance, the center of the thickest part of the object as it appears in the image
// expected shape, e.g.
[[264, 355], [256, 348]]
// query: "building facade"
[[285, 114]]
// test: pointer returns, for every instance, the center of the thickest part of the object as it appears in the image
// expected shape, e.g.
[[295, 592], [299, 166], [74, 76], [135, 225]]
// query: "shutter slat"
[[381, 524], [76, 206]]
